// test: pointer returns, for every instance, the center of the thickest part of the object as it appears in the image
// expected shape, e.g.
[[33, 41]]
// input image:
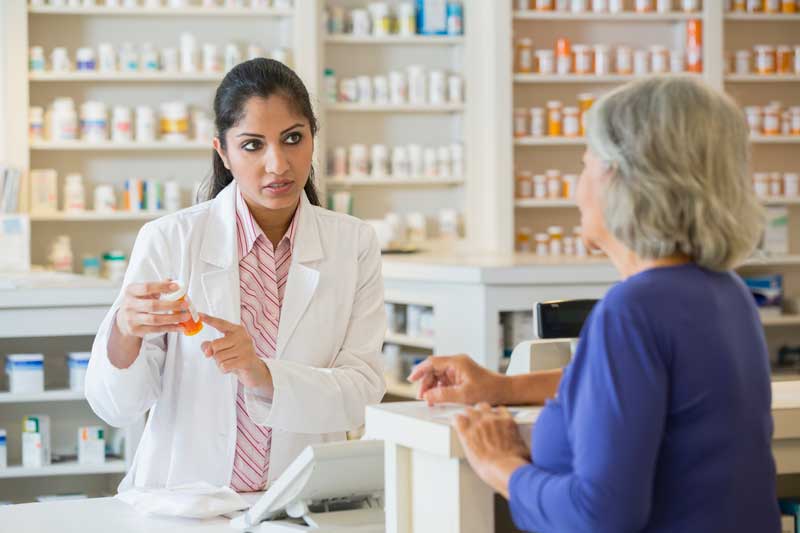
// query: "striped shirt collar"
[[248, 231]]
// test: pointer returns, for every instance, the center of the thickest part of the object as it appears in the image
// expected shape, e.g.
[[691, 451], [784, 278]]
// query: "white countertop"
[[99, 515], [51, 289]]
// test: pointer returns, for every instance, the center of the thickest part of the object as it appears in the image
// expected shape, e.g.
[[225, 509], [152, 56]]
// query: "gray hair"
[[679, 154]]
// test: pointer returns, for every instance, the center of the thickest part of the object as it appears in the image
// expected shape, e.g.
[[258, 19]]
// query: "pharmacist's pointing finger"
[[151, 288], [223, 326]]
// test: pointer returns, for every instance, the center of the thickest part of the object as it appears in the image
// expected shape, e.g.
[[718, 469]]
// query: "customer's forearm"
[[530, 389]]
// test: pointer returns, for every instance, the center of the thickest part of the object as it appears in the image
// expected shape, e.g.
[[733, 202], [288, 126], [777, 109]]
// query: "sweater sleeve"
[[615, 408]]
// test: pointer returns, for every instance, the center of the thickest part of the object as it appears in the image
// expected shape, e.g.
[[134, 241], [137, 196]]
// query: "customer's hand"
[[492, 444], [235, 353], [456, 379], [141, 312]]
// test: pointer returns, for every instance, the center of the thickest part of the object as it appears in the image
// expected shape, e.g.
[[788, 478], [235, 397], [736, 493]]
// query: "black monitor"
[[562, 319]]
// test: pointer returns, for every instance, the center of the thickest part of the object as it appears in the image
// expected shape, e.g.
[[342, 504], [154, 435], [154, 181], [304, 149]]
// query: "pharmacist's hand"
[[235, 353], [141, 312], [492, 444], [456, 379]]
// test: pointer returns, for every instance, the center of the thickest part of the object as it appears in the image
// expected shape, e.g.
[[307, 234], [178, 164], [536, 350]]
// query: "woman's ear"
[[221, 152]]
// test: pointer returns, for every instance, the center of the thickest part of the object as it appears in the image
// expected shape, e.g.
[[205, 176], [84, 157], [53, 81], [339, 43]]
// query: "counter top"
[[52, 289], [99, 515]]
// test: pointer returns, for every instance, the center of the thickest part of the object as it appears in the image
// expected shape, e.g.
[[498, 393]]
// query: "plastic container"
[[77, 363], [94, 122], [63, 120], [233, 56], [563, 57], [172, 196], [401, 167], [3, 449], [150, 61], [379, 154], [524, 184], [546, 61], [188, 53], [106, 57], [36, 441], [542, 241], [85, 60], [521, 117], [431, 163], [694, 46], [791, 185], [455, 17], [145, 124], [570, 182], [624, 60], [211, 60], [765, 59], [128, 58], [174, 121], [794, 129], [761, 184], [537, 122], [664, 6], [59, 60], [524, 240], [554, 118], [755, 119], [641, 62], [525, 55], [554, 186], [571, 122], [406, 19], [193, 325], [540, 186], [437, 87], [643, 6], [36, 60], [114, 266], [60, 256], [25, 373], [583, 59], [121, 124], [556, 234], [36, 124], [455, 89], [585, 102], [784, 60], [360, 23], [602, 60], [742, 62], [358, 163], [797, 60], [91, 445], [772, 120], [74, 194], [659, 59]]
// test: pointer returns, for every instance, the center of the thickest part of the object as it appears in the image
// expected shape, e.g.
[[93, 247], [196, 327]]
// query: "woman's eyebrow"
[[292, 127], [250, 135]]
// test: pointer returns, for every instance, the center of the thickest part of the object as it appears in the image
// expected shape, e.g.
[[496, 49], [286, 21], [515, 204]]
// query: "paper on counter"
[[194, 500]]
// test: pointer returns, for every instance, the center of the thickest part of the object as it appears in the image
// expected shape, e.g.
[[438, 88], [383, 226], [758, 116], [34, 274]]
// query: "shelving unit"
[[336, 183], [162, 11], [93, 216], [438, 40], [59, 395], [63, 469], [376, 108], [413, 342], [126, 77], [603, 17], [110, 146]]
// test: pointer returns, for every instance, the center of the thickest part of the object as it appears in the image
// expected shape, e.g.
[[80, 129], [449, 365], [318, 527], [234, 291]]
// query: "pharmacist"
[[290, 297]]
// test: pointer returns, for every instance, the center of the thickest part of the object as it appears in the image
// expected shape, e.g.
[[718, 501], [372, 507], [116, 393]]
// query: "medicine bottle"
[[193, 325], [554, 118]]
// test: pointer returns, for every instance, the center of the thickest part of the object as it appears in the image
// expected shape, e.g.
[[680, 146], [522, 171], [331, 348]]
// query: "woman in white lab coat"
[[324, 364]]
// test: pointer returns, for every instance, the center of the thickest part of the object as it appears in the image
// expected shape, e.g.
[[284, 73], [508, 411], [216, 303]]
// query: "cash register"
[[557, 326]]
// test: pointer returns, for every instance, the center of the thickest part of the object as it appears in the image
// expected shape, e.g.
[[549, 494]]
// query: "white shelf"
[[115, 466], [764, 17], [550, 141], [126, 77], [162, 11], [574, 78], [161, 146], [532, 202], [761, 78], [781, 200], [412, 342], [400, 389], [774, 139], [393, 182], [64, 395], [628, 16], [396, 39], [92, 216], [389, 108], [769, 261], [783, 320]]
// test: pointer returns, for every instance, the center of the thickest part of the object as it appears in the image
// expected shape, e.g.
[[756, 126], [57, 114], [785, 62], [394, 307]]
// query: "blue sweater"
[[662, 420]]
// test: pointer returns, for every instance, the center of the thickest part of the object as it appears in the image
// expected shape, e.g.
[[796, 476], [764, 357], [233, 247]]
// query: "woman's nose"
[[276, 161]]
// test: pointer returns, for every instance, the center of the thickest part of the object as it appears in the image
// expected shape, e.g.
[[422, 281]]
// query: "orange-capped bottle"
[[193, 325], [694, 46]]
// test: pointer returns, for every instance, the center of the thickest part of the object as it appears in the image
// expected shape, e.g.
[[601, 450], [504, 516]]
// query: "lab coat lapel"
[[303, 277], [218, 249]]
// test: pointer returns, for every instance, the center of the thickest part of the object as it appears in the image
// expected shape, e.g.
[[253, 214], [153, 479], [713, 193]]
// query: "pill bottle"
[[563, 57], [572, 125], [554, 114], [525, 55], [624, 60], [585, 101], [537, 122], [583, 59], [743, 60], [174, 121], [121, 130], [784, 57], [755, 119], [524, 240], [556, 234], [193, 325], [772, 120], [542, 244], [540, 186], [85, 60], [546, 61], [765, 59], [36, 61], [36, 124], [602, 60], [62, 122], [554, 186], [94, 122], [520, 122], [524, 184]]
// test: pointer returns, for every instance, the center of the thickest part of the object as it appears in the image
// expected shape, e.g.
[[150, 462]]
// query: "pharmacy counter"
[[431, 487], [100, 515], [469, 291]]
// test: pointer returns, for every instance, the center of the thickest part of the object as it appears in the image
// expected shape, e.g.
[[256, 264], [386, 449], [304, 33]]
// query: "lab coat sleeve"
[[328, 400], [615, 408], [121, 396]]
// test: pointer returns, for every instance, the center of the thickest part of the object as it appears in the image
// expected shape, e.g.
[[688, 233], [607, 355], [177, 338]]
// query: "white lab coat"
[[327, 365]]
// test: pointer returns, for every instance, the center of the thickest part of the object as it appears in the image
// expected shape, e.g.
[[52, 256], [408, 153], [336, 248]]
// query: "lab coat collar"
[[219, 243]]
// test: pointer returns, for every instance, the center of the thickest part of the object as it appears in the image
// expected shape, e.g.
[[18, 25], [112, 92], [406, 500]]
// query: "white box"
[[15, 241], [3, 449], [77, 363], [91, 445], [44, 191], [36, 441], [25, 373], [776, 232]]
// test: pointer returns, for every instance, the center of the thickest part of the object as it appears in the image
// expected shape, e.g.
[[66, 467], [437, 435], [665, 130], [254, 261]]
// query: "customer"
[[662, 420], [291, 355]]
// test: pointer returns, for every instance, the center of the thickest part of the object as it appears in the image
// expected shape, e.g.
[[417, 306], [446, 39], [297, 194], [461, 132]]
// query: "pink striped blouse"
[[262, 281]]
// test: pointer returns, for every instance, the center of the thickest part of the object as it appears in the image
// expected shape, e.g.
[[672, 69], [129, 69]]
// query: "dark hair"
[[263, 78]]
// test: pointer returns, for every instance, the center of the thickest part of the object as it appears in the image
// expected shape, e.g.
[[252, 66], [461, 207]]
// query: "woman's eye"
[[251, 146], [293, 138]]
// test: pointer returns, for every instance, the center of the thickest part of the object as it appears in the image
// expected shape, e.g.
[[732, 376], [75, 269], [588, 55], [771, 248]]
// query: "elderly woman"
[[662, 420]]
